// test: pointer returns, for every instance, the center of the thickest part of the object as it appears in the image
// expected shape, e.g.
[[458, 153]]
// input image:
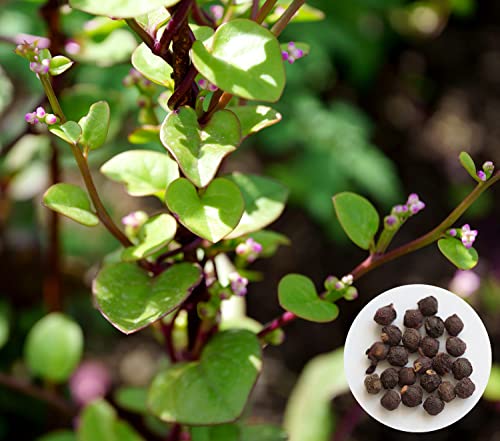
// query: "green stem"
[[385, 239], [51, 96], [283, 21], [265, 10]]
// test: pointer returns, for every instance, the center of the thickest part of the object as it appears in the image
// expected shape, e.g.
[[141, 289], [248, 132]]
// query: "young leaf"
[[469, 165], [358, 218], [70, 201], [297, 294], [70, 131], [120, 8], [244, 59], [255, 118], [200, 150], [95, 125], [156, 233], [54, 347], [147, 299], [145, 172], [264, 202], [213, 390], [212, 214], [59, 64], [153, 67], [455, 251]]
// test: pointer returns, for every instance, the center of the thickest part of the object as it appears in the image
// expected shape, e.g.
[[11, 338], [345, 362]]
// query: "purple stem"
[[173, 27], [201, 17], [188, 247], [185, 86]]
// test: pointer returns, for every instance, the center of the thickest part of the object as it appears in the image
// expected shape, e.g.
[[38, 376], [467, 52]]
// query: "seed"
[[446, 391], [390, 400], [441, 363], [434, 326], [430, 381], [454, 325], [411, 339], [413, 318], [407, 376], [376, 352], [411, 396], [373, 384], [433, 405], [389, 378], [455, 346], [397, 356], [421, 364], [428, 306], [429, 346], [385, 315], [465, 388], [391, 335], [461, 368]]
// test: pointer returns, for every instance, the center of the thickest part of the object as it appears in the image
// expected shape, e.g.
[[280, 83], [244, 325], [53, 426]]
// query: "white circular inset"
[[364, 332]]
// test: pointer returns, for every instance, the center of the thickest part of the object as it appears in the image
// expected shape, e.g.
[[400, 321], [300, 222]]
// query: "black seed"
[[465, 388], [434, 326], [421, 364], [428, 306], [411, 339], [413, 318], [430, 380], [389, 378], [407, 376], [461, 368], [455, 346], [397, 356], [429, 346], [391, 335], [433, 405], [454, 325], [376, 352], [441, 363], [411, 396], [446, 391], [390, 400], [373, 384], [385, 315]]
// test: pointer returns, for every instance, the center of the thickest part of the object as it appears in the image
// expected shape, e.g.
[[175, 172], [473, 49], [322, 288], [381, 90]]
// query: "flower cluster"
[[207, 85], [293, 53], [135, 78], [342, 287], [238, 284], [249, 250], [40, 115], [133, 222], [486, 172], [467, 235]]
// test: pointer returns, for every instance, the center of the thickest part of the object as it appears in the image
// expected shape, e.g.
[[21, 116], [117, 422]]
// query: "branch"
[[173, 27], [283, 21], [265, 10]]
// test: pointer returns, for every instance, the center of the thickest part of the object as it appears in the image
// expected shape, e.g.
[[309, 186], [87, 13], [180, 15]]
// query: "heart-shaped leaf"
[[297, 294], [469, 165], [213, 214], [213, 390], [156, 232], [95, 125], [255, 118], [153, 67], [455, 251], [120, 8], [358, 217], [59, 64], [70, 201], [264, 202], [145, 172], [200, 150], [54, 347], [130, 299], [244, 59], [69, 131]]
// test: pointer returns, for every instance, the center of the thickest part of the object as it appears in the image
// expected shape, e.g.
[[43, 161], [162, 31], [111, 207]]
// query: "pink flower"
[[250, 249], [31, 118], [414, 204], [292, 54], [468, 236], [50, 119], [465, 283], [90, 381], [238, 284]]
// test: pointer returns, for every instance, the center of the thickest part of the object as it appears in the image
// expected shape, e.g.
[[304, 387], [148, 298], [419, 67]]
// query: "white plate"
[[364, 332]]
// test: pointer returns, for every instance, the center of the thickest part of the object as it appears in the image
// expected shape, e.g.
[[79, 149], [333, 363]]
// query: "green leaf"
[[54, 347], [70, 201], [132, 399], [469, 165], [212, 214], [264, 202], [270, 241], [131, 300], [156, 233], [60, 435], [213, 390], [305, 14], [5, 313], [95, 125], [308, 415], [69, 131], [455, 251], [238, 432], [492, 391], [115, 48], [144, 135], [244, 59], [255, 118], [358, 218], [153, 67], [59, 64], [120, 8], [200, 150], [297, 294], [144, 172]]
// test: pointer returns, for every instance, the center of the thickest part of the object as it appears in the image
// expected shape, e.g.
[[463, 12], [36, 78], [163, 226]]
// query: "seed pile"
[[406, 384]]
